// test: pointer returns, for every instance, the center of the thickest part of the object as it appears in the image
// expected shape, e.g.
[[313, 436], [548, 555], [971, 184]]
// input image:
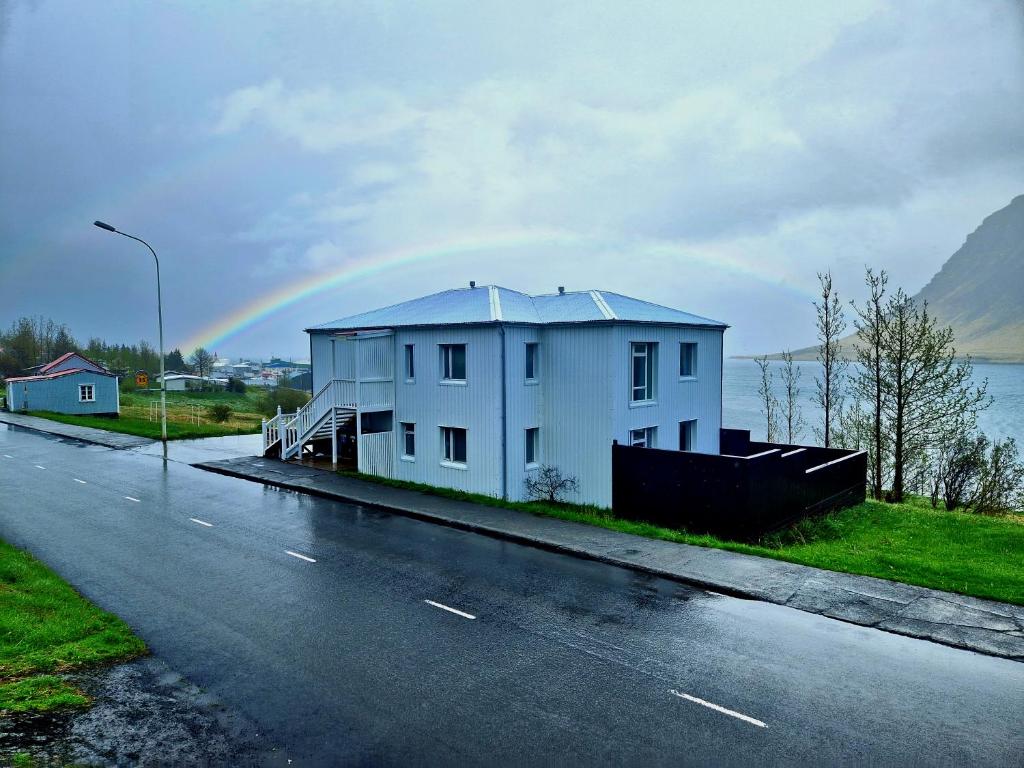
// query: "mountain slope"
[[979, 291]]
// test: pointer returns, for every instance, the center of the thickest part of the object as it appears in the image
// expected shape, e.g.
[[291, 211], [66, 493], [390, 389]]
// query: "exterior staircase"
[[330, 409]]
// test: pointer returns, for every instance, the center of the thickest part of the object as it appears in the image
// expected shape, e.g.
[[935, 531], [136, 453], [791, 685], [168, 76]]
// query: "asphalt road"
[[354, 636]]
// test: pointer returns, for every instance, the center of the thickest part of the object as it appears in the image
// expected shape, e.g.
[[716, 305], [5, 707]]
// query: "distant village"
[[253, 373]]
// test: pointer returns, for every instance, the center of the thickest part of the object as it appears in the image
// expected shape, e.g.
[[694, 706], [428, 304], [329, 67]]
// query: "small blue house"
[[70, 384]]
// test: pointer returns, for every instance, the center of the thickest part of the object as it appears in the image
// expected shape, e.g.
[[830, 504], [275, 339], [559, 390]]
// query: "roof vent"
[[561, 290], [472, 283]]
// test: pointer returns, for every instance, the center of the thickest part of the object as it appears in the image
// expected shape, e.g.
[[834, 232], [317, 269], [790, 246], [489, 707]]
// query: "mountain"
[[979, 291]]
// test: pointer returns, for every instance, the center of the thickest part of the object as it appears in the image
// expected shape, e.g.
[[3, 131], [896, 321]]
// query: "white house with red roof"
[[70, 384]]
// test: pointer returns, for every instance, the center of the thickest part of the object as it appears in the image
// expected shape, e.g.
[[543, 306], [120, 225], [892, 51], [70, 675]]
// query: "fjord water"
[[742, 406]]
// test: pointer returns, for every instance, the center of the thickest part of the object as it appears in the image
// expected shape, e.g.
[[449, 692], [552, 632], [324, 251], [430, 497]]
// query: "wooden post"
[[334, 436]]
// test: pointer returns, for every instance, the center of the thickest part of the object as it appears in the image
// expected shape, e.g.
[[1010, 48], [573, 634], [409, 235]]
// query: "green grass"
[[910, 542], [46, 629], [245, 402], [129, 425]]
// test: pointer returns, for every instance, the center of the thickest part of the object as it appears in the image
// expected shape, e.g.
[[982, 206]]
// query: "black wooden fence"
[[749, 489]]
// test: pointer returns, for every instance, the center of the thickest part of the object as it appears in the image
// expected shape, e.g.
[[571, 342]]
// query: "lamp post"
[[160, 318]]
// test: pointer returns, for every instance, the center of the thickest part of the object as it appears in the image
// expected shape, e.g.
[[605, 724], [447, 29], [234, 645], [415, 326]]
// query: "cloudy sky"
[[298, 162]]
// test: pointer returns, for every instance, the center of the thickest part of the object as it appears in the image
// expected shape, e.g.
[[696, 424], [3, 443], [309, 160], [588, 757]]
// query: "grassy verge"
[[46, 629], [910, 542], [129, 425]]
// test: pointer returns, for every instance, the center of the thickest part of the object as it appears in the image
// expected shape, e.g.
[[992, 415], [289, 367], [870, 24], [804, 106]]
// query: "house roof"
[[58, 374], [47, 372], [492, 304]]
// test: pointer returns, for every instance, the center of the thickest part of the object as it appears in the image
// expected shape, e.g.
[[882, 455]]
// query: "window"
[[687, 433], [645, 355], [642, 438], [408, 440], [687, 359], [86, 393], [531, 362], [532, 447], [410, 363], [453, 445], [453, 362]]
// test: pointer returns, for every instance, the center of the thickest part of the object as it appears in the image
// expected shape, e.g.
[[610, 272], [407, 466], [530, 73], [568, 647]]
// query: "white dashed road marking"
[[80, 481], [201, 522], [457, 612], [132, 498], [723, 710], [301, 557], [8, 456], [39, 466]]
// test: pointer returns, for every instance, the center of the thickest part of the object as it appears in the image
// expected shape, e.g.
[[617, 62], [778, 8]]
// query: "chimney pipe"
[[472, 283], [561, 290]]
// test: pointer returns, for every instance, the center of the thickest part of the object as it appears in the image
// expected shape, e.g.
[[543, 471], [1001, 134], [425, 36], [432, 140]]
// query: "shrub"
[[550, 484], [290, 400], [220, 412], [235, 385]]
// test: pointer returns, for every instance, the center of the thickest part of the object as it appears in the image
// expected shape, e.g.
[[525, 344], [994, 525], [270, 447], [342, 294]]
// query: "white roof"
[[494, 304]]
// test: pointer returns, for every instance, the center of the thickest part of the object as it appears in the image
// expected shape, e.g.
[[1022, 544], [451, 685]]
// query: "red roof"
[[58, 374], [64, 357]]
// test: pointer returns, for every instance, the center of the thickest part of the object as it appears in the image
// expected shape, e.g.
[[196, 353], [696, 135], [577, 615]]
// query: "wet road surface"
[[355, 636]]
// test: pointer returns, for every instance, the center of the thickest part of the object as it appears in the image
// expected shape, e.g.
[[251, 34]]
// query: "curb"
[[79, 438]]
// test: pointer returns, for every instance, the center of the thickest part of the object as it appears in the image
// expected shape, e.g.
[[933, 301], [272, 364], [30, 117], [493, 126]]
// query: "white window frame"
[[448, 448], [531, 358], [409, 361], [448, 363], [691, 359], [532, 434], [690, 425], [644, 437], [92, 393], [408, 428], [648, 351]]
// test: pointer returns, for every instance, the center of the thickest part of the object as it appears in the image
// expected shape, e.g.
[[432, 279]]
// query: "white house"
[[476, 388]]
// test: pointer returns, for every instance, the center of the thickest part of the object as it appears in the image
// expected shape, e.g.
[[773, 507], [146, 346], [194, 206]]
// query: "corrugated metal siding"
[[523, 402], [675, 400], [576, 432], [320, 351], [429, 404], [61, 395]]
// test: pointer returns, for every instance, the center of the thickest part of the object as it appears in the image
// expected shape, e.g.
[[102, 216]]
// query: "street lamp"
[[160, 317]]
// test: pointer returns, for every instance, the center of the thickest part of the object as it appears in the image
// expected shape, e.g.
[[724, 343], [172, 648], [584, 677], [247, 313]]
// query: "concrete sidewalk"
[[978, 625], [85, 434]]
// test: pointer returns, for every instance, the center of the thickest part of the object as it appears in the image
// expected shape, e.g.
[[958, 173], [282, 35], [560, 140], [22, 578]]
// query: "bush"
[[290, 400], [550, 484], [235, 385], [220, 412]]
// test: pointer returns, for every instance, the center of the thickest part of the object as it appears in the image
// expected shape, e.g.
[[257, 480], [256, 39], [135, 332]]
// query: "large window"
[[410, 362], [643, 438], [532, 447], [531, 362], [687, 359], [645, 367], [453, 445], [86, 393], [453, 362], [408, 440], [687, 434]]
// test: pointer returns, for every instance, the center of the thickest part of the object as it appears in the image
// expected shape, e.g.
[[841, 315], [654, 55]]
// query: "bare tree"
[[831, 325], [792, 414], [550, 484], [202, 362], [769, 402], [870, 325], [927, 396]]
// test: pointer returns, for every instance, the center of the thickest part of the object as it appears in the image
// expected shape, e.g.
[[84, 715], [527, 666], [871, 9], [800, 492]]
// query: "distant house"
[[70, 384], [477, 388], [181, 382]]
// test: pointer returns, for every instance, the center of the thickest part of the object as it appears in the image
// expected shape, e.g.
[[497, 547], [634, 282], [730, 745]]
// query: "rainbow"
[[252, 314]]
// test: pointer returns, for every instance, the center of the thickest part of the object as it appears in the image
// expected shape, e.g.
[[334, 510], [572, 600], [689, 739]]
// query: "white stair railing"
[[336, 393]]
